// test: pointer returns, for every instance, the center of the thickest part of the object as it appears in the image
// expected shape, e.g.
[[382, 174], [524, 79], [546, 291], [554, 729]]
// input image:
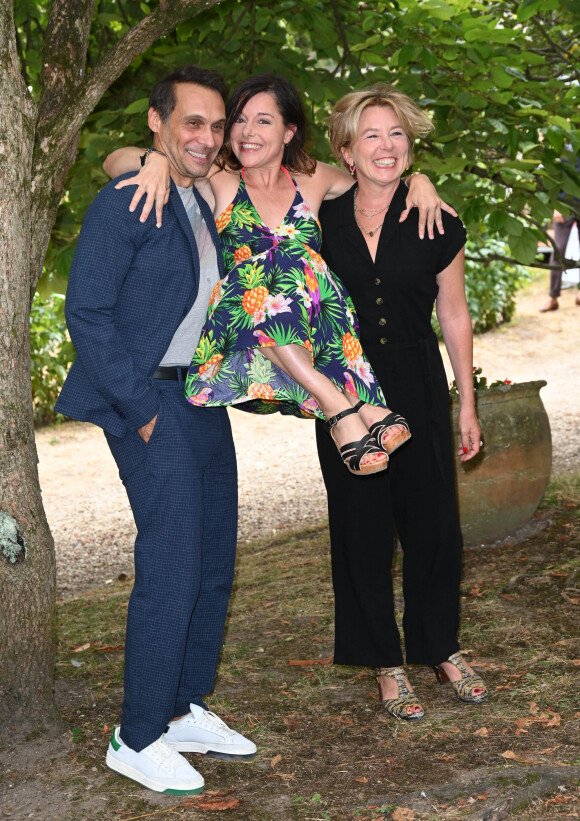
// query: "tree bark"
[[27, 574], [38, 145]]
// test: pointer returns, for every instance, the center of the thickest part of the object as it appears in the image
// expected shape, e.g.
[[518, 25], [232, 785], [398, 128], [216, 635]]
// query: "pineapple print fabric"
[[279, 291]]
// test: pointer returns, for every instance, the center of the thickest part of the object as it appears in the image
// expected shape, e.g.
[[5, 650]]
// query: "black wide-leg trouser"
[[415, 496]]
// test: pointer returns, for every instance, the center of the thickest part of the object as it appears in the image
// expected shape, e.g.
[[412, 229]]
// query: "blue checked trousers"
[[182, 487]]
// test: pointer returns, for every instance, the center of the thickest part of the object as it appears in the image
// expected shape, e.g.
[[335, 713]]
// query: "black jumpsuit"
[[394, 297]]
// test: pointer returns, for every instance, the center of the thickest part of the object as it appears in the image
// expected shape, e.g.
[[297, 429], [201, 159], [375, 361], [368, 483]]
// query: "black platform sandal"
[[353, 453], [391, 443]]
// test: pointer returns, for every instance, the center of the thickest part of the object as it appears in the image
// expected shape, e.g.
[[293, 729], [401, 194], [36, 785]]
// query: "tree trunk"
[[27, 569], [38, 145]]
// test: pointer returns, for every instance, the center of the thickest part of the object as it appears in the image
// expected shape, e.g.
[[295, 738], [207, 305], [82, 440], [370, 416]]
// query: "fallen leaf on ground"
[[575, 600], [559, 573], [483, 797], [402, 814], [291, 722], [219, 804], [109, 648], [363, 779], [483, 731], [520, 758], [81, 647], [576, 662], [488, 665], [211, 796], [276, 760], [534, 708]]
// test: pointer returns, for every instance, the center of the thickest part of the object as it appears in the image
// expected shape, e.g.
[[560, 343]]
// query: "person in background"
[[562, 228], [394, 278]]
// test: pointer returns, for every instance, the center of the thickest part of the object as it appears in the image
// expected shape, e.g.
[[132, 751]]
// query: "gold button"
[[384, 340], [380, 301], [377, 281], [382, 321]]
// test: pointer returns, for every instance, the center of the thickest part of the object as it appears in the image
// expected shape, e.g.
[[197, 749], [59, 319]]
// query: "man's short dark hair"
[[162, 97]]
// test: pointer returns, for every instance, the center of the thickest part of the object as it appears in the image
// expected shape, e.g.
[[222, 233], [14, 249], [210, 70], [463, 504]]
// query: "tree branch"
[[64, 54], [252, 37], [485, 260], [131, 45], [342, 33], [21, 57], [58, 132]]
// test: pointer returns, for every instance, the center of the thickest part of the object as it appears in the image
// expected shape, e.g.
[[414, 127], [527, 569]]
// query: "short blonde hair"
[[344, 121]]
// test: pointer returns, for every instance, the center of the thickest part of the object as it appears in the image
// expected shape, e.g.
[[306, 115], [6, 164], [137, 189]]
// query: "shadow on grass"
[[326, 750]]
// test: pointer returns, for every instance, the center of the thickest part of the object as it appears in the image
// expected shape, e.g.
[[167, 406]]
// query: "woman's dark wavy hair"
[[295, 159]]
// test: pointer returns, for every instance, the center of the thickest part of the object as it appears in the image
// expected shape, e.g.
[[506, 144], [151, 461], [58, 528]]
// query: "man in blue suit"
[[136, 302]]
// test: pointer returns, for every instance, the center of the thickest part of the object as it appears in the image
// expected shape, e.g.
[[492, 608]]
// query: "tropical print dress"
[[278, 291]]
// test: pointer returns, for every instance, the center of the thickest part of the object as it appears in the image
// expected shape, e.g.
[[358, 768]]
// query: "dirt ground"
[[326, 750]]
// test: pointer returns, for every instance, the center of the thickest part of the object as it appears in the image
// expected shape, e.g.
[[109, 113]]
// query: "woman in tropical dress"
[[281, 331]]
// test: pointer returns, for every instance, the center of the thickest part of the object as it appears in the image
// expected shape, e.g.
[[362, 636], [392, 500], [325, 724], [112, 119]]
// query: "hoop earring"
[[352, 169]]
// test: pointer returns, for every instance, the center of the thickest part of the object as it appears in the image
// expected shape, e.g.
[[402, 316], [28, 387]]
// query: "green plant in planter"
[[479, 383]]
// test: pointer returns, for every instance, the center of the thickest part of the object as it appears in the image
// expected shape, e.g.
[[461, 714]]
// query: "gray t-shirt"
[[186, 337]]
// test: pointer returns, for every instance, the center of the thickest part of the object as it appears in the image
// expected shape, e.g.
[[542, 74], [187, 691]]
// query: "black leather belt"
[[175, 372]]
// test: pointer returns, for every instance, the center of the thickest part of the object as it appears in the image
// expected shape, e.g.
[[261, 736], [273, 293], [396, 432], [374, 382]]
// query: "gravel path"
[[88, 510]]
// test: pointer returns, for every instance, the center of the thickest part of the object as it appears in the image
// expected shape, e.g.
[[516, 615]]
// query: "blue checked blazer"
[[130, 286]]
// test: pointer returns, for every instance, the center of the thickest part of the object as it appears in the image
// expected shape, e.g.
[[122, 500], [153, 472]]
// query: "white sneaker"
[[201, 731], [158, 766]]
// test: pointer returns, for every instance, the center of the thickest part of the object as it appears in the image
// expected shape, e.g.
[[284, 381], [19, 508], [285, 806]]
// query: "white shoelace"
[[211, 722], [164, 755]]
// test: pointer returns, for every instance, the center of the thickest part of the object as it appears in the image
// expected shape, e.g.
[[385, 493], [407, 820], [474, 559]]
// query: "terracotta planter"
[[500, 489]]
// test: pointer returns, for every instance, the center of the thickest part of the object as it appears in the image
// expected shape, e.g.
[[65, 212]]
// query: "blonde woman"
[[394, 278]]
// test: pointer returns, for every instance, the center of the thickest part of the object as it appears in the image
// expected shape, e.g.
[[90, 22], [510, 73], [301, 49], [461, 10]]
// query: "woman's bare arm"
[[152, 180], [423, 195], [123, 160], [455, 323]]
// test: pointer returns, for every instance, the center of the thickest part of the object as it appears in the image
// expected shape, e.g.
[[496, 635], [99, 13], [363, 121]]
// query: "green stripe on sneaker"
[[183, 792], [114, 743]]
